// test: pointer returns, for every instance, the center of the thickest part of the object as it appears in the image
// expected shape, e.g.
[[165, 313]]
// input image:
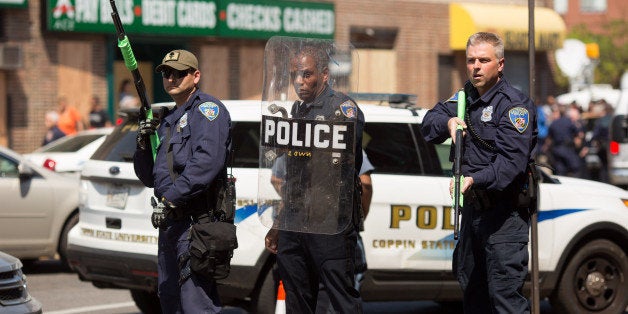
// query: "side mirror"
[[619, 129], [25, 171]]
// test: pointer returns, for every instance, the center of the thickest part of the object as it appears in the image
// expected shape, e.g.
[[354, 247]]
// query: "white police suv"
[[408, 237]]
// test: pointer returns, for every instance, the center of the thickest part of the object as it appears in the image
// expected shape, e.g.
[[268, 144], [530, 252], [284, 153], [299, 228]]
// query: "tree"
[[613, 50]]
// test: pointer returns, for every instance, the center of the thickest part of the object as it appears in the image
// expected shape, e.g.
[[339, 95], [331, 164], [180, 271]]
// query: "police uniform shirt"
[[563, 131], [504, 118], [316, 173], [199, 137]]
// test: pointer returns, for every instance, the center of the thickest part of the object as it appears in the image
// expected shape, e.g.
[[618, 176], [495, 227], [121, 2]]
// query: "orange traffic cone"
[[280, 308]]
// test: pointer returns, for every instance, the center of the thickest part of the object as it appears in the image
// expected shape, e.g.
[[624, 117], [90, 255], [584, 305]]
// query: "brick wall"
[[33, 89]]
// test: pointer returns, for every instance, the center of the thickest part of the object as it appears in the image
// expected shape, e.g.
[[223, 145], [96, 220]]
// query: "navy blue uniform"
[[491, 258], [53, 134], [564, 154], [307, 259], [198, 135]]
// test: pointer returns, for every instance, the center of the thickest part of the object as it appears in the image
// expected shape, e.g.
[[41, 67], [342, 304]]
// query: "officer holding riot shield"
[[315, 226]]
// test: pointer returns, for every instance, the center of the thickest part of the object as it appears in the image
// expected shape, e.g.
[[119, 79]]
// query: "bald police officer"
[[491, 257], [195, 141]]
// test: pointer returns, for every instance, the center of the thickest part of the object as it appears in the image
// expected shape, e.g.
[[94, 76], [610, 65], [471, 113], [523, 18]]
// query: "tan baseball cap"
[[178, 59]]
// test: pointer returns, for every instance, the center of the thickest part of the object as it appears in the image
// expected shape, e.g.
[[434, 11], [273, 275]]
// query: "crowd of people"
[[574, 142], [67, 119]]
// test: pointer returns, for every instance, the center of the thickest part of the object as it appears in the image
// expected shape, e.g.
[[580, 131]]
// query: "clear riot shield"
[[307, 156]]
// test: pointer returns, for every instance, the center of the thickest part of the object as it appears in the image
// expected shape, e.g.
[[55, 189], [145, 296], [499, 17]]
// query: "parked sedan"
[[39, 207], [14, 296], [69, 153]]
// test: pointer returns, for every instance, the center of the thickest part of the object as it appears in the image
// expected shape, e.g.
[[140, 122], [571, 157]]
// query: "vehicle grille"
[[13, 288]]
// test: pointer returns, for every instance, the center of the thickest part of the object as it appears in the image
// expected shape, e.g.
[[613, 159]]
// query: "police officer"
[[306, 260], [195, 140], [567, 138], [491, 258]]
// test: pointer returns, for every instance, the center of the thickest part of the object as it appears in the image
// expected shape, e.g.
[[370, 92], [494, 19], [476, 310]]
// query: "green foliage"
[[613, 49]]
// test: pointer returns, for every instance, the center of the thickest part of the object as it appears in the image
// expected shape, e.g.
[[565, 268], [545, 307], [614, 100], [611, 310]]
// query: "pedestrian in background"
[[600, 139], [308, 260], [191, 159], [544, 119], [98, 117], [52, 130], [127, 100], [567, 138], [70, 120], [500, 134]]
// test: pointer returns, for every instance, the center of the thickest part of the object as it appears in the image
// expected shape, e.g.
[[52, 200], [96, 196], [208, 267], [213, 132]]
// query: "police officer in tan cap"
[[191, 160]]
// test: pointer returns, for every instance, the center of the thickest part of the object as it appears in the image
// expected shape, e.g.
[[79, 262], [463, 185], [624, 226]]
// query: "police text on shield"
[[308, 135]]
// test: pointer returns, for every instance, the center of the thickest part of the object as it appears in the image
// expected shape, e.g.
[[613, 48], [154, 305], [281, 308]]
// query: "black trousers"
[[305, 260]]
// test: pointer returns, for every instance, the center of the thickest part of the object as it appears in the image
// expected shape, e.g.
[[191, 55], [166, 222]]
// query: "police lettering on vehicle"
[[307, 135]]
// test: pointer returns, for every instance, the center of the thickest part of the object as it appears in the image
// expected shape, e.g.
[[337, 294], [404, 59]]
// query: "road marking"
[[93, 308]]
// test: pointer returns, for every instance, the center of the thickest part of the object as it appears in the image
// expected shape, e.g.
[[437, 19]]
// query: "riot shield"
[[307, 143]]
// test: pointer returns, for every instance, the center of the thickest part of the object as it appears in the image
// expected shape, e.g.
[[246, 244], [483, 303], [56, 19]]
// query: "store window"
[[593, 6]]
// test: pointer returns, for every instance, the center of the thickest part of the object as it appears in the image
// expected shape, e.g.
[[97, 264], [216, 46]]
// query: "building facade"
[[68, 47]]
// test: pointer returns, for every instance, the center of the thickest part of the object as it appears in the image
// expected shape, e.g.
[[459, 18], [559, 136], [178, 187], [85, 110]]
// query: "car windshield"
[[70, 144]]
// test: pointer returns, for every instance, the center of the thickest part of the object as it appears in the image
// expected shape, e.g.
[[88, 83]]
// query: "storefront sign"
[[222, 18], [172, 17], [545, 41], [510, 22], [264, 19], [13, 4]]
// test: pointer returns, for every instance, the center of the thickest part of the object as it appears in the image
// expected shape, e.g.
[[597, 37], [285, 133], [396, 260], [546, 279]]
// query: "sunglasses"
[[177, 74]]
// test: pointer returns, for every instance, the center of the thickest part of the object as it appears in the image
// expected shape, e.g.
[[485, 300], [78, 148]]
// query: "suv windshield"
[[120, 145]]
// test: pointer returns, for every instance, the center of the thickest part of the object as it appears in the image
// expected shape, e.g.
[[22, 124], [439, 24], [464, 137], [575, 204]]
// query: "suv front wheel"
[[593, 280]]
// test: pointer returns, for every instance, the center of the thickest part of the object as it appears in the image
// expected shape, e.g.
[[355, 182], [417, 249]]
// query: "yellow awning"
[[508, 21]]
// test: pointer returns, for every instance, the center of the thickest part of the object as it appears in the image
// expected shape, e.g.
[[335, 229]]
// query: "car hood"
[[590, 187], [8, 263]]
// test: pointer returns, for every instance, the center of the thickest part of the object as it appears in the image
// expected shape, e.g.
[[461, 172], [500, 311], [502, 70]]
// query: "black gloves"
[[159, 213], [161, 209], [147, 127]]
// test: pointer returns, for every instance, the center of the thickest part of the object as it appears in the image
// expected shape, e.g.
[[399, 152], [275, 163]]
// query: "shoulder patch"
[[520, 118], [453, 98], [348, 109], [210, 110]]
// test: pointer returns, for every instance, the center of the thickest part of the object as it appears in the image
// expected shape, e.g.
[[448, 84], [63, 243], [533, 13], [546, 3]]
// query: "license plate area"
[[117, 195]]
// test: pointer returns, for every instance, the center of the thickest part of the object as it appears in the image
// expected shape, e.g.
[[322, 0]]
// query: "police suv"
[[408, 237]]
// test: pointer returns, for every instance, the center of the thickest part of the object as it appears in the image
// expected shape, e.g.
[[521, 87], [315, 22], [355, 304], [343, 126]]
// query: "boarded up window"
[[74, 73]]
